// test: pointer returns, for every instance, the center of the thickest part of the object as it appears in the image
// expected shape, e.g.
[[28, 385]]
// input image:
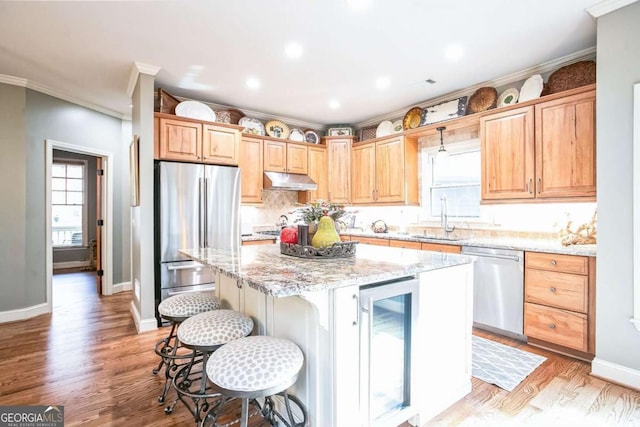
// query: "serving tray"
[[337, 250]]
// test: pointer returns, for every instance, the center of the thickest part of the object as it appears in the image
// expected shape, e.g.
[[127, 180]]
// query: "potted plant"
[[312, 212]]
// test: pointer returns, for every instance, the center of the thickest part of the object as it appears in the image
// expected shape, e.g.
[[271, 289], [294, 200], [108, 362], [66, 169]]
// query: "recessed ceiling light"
[[253, 83], [293, 50], [383, 83], [454, 52], [334, 105]]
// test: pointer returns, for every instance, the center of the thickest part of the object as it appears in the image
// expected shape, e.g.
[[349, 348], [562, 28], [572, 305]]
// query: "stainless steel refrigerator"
[[196, 206]]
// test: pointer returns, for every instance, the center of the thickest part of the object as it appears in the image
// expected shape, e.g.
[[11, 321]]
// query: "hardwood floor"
[[88, 357]]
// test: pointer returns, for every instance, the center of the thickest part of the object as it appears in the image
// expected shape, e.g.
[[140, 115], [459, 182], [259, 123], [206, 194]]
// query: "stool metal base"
[[281, 409], [172, 357]]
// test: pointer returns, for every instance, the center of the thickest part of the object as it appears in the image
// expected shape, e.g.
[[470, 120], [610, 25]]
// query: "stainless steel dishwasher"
[[498, 296]]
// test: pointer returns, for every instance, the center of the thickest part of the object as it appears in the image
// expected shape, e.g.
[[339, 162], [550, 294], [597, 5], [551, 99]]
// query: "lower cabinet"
[[559, 307]]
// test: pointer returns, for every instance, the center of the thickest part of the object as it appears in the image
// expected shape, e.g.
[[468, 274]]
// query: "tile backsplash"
[[265, 217], [526, 220]]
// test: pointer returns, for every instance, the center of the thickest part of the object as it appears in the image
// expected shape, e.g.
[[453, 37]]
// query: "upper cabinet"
[[195, 141], [507, 153], [280, 156], [566, 147], [317, 171], [251, 170], [338, 156], [385, 171], [544, 151]]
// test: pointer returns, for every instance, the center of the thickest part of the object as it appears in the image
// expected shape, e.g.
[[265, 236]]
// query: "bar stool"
[[176, 309], [258, 367], [205, 333]]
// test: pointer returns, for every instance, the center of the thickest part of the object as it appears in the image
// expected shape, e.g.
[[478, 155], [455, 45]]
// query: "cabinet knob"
[[554, 262], [552, 289], [552, 326]]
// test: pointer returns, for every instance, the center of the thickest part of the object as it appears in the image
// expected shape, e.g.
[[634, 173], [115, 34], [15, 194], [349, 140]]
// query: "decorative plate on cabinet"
[[252, 125], [397, 126], [412, 119], [277, 129], [482, 99], [385, 128], [532, 88], [296, 135], [311, 137], [195, 110], [508, 97]]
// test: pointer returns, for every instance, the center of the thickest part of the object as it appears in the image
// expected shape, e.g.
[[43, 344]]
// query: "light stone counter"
[[532, 245], [264, 268]]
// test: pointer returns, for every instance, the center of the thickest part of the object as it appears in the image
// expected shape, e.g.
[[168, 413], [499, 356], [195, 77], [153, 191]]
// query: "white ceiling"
[[207, 49]]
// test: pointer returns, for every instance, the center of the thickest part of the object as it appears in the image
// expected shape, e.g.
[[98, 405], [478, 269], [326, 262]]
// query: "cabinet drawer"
[[404, 244], [556, 262], [435, 247], [556, 326], [371, 241], [561, 290]]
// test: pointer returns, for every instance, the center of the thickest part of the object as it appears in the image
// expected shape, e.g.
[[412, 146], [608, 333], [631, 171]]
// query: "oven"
[[388, 313]]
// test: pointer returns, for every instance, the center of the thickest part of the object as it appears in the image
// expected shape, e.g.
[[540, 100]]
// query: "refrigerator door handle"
[[206, 213], [200, 213]]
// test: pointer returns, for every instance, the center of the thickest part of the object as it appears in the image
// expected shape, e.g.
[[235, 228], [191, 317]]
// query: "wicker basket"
[[483, 99], [571, 76]]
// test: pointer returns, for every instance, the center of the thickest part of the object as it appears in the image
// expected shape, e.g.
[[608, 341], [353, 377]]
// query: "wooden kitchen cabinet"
[[317, 169], [195, 141], [544, 151], [363, 173], [339, 157], [371, 241], [566, 147], [251, 170], [559, 308], [220, 145], [405, 244], [507, 154], [438, 247], [280, 156], [385, 171]]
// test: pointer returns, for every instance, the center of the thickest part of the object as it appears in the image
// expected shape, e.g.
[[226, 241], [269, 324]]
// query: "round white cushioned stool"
[[259, 367], [205, 333], [176, 309]]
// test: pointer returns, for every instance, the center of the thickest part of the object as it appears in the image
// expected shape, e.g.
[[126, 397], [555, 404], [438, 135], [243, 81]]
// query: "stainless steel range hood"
[[288, 181]]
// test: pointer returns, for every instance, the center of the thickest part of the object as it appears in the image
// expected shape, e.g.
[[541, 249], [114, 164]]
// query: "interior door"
[[98, 250]]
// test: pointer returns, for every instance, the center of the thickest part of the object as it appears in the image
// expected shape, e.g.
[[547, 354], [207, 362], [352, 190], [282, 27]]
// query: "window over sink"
[[457, 178]]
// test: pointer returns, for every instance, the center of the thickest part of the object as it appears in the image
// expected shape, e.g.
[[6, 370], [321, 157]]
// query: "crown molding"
[[586, 54], [262, 116], [607, 6], [16, 81], [137, 69]]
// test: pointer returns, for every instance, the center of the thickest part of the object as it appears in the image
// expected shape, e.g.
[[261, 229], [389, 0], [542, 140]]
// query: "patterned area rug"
[[501, 365]]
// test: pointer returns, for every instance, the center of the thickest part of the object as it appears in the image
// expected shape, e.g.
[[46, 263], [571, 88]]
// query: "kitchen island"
[[320, 304]]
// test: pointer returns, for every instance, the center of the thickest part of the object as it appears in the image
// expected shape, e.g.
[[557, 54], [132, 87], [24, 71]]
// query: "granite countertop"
[[264, 268], [531, 245], [257, 236]]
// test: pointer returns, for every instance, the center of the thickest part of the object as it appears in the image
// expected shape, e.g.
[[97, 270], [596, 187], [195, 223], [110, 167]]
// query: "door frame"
[[107, 210]]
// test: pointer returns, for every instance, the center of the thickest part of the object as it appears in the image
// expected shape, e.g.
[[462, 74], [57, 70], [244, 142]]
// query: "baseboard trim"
[[70, 264], [142, 325], [121, 287], [616, 373], [24, 313]]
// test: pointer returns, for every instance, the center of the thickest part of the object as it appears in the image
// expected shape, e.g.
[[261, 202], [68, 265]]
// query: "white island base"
[[326, 326]]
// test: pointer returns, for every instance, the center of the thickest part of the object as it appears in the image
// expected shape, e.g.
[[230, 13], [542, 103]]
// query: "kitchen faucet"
[[444, 217], [282, 221]]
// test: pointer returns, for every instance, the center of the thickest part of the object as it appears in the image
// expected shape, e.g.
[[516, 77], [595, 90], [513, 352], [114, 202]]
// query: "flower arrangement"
[[312, 212]]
